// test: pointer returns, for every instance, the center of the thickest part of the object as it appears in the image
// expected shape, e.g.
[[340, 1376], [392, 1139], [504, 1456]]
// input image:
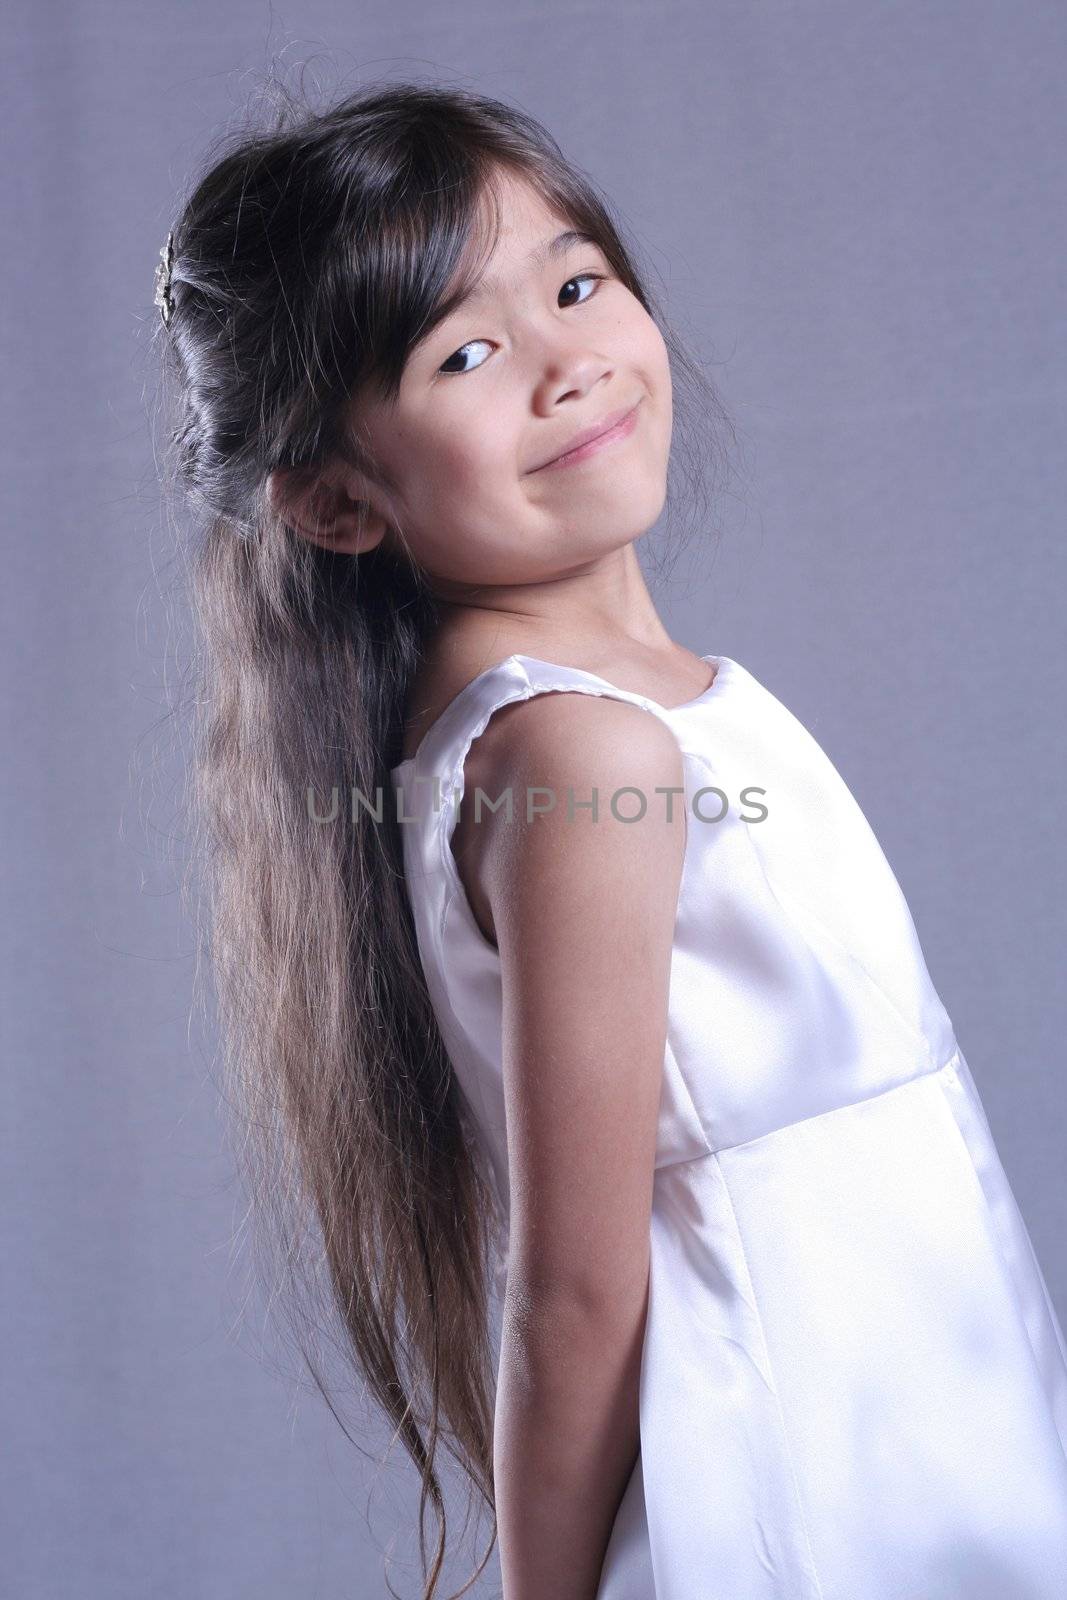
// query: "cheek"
[[655, 352], [475, 457], [658, 369]]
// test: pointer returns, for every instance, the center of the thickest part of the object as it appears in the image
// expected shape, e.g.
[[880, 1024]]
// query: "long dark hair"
[[307, 260]]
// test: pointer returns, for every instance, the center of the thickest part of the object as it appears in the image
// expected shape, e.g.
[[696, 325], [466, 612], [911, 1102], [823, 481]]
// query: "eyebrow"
[[538, 257]]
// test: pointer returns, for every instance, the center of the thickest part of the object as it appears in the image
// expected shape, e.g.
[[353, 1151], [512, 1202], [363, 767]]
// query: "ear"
[[326, 508]]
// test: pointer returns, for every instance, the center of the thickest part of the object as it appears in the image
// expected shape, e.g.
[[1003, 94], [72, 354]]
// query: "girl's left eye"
[[581, 277]]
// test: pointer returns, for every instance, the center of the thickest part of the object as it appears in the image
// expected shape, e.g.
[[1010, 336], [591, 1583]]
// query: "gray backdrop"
[[857, 210]]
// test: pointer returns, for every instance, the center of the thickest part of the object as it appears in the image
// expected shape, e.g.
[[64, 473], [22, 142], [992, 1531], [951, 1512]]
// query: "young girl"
[[647, 1041]]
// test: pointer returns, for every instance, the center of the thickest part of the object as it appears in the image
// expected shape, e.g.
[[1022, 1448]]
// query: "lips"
[[587, 435]]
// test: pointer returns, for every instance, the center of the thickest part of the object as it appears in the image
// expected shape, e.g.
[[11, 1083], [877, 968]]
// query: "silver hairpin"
[[164, 299]]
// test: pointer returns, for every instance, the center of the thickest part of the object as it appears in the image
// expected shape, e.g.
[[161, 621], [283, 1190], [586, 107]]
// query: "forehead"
[[513, 220], [516, 212]]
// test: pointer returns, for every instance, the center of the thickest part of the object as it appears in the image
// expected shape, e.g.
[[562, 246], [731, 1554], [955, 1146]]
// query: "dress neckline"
[[721, 663]]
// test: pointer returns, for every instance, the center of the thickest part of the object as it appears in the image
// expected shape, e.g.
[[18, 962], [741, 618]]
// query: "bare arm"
[[584, 917]]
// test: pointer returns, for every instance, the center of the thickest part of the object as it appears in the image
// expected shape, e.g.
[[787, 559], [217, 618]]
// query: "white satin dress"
[[853, 1381]]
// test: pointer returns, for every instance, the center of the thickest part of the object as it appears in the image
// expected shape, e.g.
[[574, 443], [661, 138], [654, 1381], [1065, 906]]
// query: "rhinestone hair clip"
[[164, 299]]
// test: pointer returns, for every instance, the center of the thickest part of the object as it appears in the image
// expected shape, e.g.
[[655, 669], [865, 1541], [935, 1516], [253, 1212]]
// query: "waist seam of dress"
[[828, 1111]]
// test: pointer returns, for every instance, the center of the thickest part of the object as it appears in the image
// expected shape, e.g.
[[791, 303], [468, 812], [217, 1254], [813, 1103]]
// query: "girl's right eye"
[[580, 277], [456, 355]]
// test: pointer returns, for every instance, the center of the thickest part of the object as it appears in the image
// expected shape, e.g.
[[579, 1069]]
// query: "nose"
[[570, 374]]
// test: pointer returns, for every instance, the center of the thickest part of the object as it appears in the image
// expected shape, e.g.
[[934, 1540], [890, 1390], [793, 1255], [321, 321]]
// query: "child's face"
[[540, 358]]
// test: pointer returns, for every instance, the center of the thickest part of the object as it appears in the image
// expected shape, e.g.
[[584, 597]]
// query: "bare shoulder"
[[564, 729], [579, 783]]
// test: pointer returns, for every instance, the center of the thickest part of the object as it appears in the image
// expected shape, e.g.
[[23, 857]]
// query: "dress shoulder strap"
[[444, 747]]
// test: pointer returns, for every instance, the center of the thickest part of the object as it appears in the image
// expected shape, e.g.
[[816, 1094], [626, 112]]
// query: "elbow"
[[542, 1303]]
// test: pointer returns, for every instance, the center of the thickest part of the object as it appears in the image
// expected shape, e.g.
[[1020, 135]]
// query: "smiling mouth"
[[609, 435]]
